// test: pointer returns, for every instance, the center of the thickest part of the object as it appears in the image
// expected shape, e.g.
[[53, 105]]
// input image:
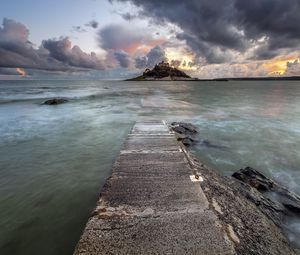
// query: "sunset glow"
[[278, 67], [21, 71]]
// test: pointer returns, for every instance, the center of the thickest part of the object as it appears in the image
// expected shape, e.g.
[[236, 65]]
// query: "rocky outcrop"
[[188, 134], [55, 101], [274, 200], [237, 206], [163, 71], [185, 132]]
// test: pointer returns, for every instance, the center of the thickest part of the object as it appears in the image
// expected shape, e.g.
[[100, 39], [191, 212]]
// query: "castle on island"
[[163, 71], [162, 65]]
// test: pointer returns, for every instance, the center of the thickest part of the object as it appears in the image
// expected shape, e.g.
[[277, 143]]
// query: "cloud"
[[17, 51], [118, 37], [127, 45], [63, 51], [130, 39], [128, 16], [93, 24], [154, 56], [216, 31], [175, 63], [78, 29], [123, 58], [293, 67]]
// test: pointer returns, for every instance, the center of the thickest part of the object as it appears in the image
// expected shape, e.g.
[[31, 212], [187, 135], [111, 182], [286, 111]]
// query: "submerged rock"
[[55, 101]]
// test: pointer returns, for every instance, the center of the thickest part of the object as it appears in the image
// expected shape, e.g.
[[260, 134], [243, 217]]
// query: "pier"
[[153, 202]]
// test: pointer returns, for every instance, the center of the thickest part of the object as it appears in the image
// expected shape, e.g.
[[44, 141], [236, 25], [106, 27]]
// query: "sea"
[[55, 159]]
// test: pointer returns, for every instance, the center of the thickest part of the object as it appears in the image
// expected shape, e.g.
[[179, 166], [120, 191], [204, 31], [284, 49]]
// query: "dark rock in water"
[[188, 134], [178, 129], [185, 132], [187, 141], [275, 201], [254, 178], [272, 189], [184, 128], [55, 101]]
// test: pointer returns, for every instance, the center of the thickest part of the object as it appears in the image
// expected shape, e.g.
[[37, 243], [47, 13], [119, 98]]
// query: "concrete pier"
[[152, 204]]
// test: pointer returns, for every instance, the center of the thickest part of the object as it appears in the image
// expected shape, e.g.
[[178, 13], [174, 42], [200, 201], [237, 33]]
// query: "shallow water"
[[54, 159]]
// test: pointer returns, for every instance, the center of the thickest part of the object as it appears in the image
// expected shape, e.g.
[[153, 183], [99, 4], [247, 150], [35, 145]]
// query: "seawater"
[[55, 159]]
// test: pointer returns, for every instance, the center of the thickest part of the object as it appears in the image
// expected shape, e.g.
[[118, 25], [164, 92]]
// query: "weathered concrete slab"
[[146, 142], [149, 128], [177, 233], [150, 205]]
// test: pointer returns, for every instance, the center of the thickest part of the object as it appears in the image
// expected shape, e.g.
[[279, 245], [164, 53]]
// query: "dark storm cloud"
[[154, 56], [17, 51], [123, 58], [213, 27], [212, 54]]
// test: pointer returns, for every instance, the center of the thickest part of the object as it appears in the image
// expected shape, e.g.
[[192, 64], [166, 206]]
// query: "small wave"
[[96, 96], [24, 100], [7, 101]]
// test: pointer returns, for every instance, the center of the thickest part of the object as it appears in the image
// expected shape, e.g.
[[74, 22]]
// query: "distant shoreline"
[[280, 78], [285, 78]]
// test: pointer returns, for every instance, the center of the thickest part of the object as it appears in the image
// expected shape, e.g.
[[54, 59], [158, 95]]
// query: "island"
[[163, 72]]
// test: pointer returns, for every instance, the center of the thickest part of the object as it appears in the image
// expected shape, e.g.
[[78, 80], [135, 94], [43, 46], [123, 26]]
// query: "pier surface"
[[150, 205]]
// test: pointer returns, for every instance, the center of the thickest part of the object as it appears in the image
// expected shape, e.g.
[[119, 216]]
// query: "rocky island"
[[163, 72]]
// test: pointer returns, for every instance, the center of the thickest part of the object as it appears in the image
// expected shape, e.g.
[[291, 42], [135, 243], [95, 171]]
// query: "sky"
[[117, 39]]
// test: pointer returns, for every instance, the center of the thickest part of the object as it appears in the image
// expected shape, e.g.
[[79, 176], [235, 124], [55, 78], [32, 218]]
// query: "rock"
[[254, 178], [187, 141], [184, 127], [55, 101], [185, 132], [180, 136], [188, 134], [178, 129], [274, 200], [273, 190]]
